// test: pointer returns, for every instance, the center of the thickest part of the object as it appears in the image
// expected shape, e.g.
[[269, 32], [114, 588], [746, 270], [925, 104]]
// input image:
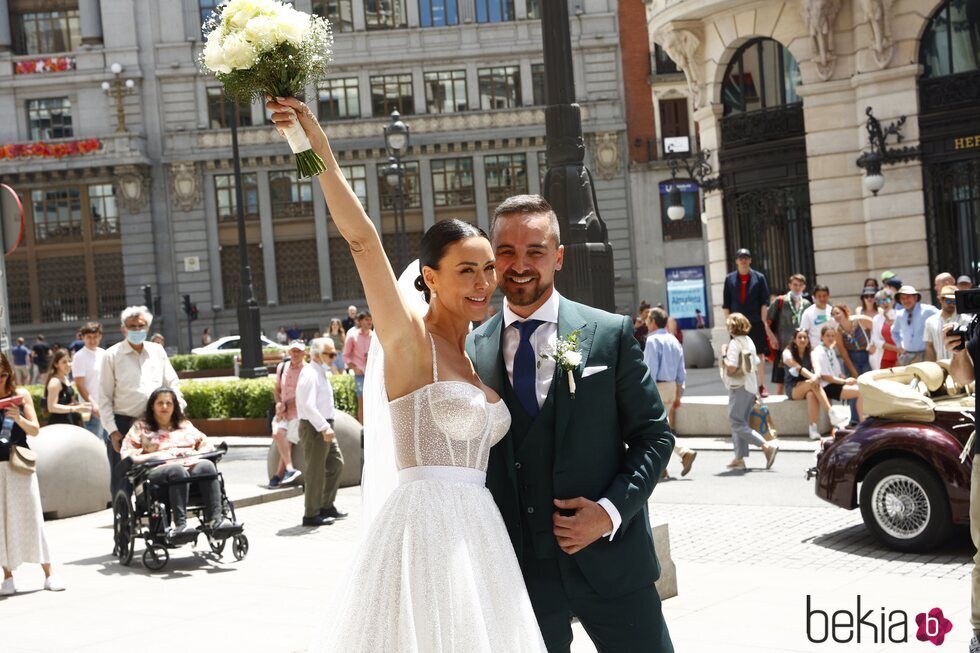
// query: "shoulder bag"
[[22, 460]]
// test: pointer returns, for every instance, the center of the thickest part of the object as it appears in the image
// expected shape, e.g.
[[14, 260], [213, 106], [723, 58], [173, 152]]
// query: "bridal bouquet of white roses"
[[265, 47]]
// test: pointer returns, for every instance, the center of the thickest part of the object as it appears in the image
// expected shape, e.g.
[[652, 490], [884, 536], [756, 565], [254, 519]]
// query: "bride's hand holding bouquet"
[[265, 48]]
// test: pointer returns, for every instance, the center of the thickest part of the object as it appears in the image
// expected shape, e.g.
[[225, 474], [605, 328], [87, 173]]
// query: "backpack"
[[745, 367], [760, 419]]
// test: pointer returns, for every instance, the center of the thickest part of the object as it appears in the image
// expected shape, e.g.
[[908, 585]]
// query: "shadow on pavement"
[[177, 567], [859, 541], [298, 531]]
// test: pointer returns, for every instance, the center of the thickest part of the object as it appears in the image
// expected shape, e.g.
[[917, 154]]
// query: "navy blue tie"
[[525, 368]]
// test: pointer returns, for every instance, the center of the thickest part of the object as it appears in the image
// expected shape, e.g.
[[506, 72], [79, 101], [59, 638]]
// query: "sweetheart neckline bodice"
[[463, 383]]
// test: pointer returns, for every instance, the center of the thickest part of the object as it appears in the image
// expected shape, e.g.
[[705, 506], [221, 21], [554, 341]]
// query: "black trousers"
[[632, 623], [179, 492], [116, 479]]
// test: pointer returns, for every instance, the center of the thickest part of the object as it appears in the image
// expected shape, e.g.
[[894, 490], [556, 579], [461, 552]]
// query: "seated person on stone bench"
[[164, 434], [802, 382], [829, 366]]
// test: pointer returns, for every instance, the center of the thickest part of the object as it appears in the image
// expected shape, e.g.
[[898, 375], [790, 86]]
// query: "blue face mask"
[[136, 337]]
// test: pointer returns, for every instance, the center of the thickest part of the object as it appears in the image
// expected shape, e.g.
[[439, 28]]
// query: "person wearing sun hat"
[[910, 325], [934, 337], [964, 282]]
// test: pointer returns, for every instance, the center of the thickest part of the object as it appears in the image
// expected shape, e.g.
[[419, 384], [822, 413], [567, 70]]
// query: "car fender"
[[846, 462]]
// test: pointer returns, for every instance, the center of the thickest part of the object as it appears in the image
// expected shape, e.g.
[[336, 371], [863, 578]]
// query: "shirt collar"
[[662, 331], [547, 312]]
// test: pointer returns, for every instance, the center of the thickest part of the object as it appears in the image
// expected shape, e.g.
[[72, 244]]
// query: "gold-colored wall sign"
[[966, 142]]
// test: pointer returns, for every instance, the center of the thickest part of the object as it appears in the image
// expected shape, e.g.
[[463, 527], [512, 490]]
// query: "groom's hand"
[[588, 522]]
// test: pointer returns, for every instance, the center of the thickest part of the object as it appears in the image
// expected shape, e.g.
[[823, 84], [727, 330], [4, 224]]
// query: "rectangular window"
[[506, 176], [49, 118], [221, 111], [357, 178], [500, 87], [340, 13], [384, 14], [674, 126], [410, 186], [291, 198], [110, 284], [390, 93], [663, 64], [231, 274], [452, 182], [62, 284], [537, 84], [445, 91], [45, 32], [224, 195], [297, 272], [205, 8], [57, 214], [438, 13], [103, 210], [339, 99], [534, 8], [19, 290], [494, 11]]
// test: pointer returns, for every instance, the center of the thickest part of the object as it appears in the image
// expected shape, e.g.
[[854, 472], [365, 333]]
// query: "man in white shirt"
[[935, 347], [85, 367], [324, 461], [130, 371], [816, 316]]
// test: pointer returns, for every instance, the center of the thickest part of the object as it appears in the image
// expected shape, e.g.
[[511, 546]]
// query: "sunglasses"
[[887, 300], [332, 355], [949, 302]]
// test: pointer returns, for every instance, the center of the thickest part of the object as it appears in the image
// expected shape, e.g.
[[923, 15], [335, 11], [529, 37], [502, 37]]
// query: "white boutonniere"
[[567, 356]]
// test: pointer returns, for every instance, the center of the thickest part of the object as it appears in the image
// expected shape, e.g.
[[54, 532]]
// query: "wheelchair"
[[141, 511]]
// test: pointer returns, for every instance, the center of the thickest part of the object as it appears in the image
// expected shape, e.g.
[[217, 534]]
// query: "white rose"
[[293, 24], [573, 358], [214, 57], [239, 54], [264, 31], [237, 13]]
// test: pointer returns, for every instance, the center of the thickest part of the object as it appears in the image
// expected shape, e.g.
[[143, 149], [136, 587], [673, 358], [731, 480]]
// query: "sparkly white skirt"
[[436, 573], [21, 521]]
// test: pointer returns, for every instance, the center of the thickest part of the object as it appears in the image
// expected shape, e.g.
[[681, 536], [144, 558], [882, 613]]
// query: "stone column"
[[374, 192], [467, 11], [5, 40], [268, 239], [357, 7], [90, 15], [214, 248], [428, 201], [412, 13], [533, 173], [322, 243], [480, 189], [714, 220]]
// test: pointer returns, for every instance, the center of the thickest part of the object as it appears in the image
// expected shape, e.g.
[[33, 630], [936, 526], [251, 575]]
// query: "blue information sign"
[[687, 294]]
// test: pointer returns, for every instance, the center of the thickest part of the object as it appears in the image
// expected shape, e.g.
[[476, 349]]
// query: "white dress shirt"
[[87, 364], [314, 396], [543, 340], [128, 377]]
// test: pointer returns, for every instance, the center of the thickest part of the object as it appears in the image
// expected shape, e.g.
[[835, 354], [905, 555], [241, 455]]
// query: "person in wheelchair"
[[165, 434]]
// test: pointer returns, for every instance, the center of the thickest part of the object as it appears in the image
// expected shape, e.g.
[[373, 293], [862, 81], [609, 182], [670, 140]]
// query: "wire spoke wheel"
[[901, 506]]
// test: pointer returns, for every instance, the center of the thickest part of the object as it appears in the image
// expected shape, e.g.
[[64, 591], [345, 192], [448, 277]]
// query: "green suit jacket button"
[[530, 511]]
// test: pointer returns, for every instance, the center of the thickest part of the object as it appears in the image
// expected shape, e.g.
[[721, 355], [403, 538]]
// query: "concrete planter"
[[348, 432], [233, 426]]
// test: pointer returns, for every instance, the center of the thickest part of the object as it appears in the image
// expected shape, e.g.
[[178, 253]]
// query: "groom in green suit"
[[585, 449]]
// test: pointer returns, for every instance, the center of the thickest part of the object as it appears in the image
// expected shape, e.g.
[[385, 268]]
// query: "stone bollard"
[[348, 432], [72, 471], [698, 353]]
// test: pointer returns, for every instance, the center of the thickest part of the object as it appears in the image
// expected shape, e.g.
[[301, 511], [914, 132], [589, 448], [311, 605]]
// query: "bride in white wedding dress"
[[436, 572]]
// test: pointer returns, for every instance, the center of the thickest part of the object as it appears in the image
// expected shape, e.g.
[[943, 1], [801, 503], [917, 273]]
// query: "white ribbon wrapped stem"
[[296, 137]]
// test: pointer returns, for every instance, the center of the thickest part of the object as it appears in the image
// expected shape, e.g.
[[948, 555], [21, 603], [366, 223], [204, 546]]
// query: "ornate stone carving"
[[680, 45], [185, 185], [878, 14], [132, 186], [605, 154], [819, 17]]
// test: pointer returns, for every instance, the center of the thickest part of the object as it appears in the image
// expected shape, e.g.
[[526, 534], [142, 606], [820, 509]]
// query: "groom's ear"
[[560, 258]]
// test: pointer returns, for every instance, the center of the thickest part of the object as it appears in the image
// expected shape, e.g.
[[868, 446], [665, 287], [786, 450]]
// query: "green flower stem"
[[309, 164]]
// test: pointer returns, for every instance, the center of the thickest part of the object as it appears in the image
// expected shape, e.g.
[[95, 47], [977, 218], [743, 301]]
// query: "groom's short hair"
[[530, 205]]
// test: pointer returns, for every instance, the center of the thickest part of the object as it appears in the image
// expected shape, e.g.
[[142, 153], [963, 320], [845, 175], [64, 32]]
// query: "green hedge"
[[240, 398], [195, 362]]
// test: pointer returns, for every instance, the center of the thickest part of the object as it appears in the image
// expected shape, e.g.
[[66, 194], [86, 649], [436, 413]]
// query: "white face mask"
[[795, 294]]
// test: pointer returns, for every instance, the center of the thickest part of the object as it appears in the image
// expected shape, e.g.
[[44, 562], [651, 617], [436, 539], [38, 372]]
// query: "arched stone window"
[[951, 42], [762, 74]]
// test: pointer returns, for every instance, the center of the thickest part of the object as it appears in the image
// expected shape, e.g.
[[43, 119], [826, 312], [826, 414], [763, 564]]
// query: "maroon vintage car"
[[902, 465]]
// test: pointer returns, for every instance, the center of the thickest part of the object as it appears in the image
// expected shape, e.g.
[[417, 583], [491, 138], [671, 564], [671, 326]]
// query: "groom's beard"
[[524, 294]]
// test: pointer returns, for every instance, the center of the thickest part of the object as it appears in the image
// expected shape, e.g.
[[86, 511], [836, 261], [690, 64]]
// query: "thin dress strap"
[[435, 366]]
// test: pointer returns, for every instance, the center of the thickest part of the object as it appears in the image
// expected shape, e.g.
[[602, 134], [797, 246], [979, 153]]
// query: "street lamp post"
[[698, 169], [880, 153], [249, 321], [117, 90], [396, 143], [587, 274]]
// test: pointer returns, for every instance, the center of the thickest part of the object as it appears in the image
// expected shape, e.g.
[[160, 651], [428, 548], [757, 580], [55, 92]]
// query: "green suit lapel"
[[489, 361], [569, 320]]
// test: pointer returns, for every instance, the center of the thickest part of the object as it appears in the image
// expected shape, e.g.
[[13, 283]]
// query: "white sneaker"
[[7, 587], [53, 583], [814, 432]]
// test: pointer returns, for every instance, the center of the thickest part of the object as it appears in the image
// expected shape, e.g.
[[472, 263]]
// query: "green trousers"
[[321, 477], [632, 623]]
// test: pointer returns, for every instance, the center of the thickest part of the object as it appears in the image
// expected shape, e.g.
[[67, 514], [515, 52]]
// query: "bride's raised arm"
[[397, 325]]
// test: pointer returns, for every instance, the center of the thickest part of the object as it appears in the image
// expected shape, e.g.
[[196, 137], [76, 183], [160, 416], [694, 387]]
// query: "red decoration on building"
[[44, 65], [48, 150]]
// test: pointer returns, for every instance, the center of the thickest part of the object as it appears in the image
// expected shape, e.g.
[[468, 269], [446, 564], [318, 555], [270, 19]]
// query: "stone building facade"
[[110, 207], [780, 92]]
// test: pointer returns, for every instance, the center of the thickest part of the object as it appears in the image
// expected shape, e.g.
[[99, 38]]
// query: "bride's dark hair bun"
[[434, 243]]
